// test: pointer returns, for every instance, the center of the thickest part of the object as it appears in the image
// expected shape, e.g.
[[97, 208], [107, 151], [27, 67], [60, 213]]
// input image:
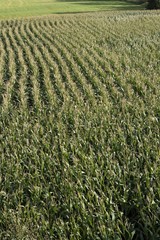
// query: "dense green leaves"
[[79, 127], [153, 4]]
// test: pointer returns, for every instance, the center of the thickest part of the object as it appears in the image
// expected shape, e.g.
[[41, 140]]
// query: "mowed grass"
[[23, 8], [80, 127]]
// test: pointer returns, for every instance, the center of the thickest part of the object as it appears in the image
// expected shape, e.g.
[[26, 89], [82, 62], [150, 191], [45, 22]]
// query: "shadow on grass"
[[108, 4]]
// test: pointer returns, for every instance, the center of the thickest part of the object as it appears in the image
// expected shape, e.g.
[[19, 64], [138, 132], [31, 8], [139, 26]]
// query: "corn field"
[[79, 127]]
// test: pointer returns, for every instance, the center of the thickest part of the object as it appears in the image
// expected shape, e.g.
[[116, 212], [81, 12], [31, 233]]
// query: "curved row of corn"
[[79, 127], [48, 61]]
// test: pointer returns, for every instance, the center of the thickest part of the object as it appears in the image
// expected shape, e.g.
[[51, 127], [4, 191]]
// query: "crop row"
[[49, 61], [79, 127]]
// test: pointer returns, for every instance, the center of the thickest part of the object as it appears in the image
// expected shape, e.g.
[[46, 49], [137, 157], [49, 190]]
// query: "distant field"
[[80, 127], [22, 8]]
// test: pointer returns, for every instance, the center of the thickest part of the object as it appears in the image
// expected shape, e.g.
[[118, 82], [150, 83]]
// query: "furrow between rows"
[[90, 64], [52, 65], [19, 89], [2, 65], [68, 66], [9, 76], [75, 64], [43, 76], [32, 88]]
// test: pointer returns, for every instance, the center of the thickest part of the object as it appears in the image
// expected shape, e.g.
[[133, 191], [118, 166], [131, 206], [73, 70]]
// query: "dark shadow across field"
[[108, 4]]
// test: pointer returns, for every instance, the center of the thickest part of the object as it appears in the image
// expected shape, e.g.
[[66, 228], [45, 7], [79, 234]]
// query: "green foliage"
[[153, 4], [80, 127]]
